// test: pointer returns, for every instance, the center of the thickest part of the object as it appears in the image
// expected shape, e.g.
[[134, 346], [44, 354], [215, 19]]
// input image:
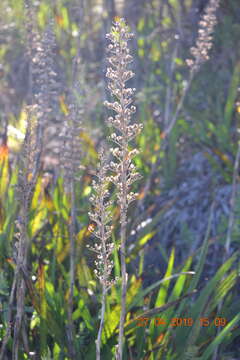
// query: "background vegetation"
[[183, 231]]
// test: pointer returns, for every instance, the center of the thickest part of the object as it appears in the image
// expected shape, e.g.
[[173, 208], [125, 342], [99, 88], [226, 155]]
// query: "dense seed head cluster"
[[71, 151], [101, 215], [118, 74], [204, 43], [29, 158], [44, 74], [44, 86]]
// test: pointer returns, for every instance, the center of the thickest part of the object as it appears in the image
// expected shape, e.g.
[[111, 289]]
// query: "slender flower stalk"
[[200, 53], [101, 215], [40, 74], [123, 168], [71, 154], [27, 180]]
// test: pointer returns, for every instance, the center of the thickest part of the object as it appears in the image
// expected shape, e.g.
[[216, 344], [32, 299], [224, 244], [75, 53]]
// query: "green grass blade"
[[220, 337]]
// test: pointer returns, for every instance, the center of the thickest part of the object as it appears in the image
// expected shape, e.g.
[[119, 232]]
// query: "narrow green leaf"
[[232, 94], [162, 294], [220, 337]]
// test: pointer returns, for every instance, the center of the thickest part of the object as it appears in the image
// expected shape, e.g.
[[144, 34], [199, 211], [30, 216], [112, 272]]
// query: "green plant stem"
[[105, 271], [21, 287], [9, 316], [123, 220], [123, 287], [98, 341], [19, 317], [71, 330], [171, 124]]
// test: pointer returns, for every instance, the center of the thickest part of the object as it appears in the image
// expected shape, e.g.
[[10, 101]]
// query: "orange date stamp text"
[[179, 321]]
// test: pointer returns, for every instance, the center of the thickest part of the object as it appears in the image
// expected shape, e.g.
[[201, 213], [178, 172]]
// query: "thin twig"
[[171, 124]]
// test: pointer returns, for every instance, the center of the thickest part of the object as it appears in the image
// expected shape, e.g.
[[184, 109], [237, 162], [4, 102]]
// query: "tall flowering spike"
[[124, 170], [204, 40], [70, 156]]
